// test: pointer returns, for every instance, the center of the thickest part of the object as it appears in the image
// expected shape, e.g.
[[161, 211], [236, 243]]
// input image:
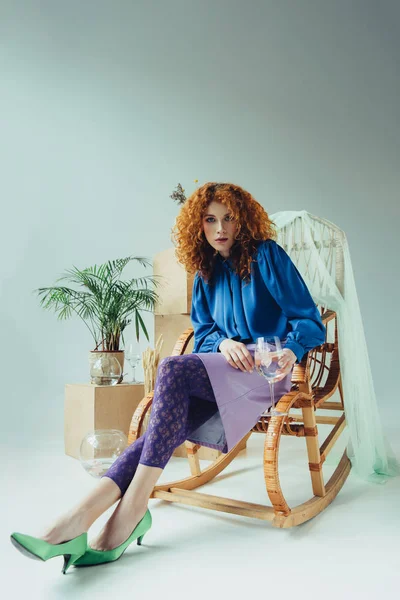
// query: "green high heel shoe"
[[40, 550], [97, 557]]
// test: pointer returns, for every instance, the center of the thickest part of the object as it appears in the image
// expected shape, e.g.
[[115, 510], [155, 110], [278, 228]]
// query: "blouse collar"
[[225, 262]]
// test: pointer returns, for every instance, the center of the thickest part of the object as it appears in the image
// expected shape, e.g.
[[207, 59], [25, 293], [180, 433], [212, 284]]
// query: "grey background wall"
[[106, 106]]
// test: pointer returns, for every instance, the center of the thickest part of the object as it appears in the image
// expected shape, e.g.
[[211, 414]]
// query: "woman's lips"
[[222, 241]]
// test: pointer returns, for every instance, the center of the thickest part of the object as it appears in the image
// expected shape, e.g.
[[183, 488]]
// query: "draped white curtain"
[[319, 250]]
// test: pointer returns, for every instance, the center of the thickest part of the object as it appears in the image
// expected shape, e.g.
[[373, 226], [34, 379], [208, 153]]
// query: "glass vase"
[[100, 448], [105, 369]]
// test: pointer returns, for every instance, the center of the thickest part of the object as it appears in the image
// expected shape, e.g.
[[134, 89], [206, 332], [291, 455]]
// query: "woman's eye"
[[209, 219]]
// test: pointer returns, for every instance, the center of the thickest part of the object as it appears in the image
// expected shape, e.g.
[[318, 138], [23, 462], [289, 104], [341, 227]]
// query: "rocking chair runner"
[[314, 381]]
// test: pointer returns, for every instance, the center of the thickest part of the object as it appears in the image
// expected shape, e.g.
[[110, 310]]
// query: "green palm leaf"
[[102, 301]]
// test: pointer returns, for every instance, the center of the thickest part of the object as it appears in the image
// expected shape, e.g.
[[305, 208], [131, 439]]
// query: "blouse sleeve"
[[207, 335], [291, 293]]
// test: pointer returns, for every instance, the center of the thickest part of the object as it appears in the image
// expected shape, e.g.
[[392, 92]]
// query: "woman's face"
[[217, 224]]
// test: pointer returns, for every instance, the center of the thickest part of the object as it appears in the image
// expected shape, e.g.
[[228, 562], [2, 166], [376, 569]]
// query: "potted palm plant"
[[105, 303]]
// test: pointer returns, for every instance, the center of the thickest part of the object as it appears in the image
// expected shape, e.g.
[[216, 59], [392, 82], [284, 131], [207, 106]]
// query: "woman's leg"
[[82, 516], [170, 423], [130, 509], [105, 494], [172, 418]]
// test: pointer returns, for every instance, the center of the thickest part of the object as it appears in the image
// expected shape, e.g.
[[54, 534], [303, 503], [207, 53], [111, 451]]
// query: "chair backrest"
[[328, 240], [308, 241]]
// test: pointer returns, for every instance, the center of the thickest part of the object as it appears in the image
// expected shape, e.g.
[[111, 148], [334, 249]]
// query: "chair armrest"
[[327, 316], [182, 342], [138, 417], [295, 400]]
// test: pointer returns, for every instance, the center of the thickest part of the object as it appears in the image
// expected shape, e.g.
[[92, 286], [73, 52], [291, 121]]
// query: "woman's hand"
[[286, 360], [237, 355]]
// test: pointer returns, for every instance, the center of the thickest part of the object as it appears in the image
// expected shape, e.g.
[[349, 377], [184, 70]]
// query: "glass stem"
[[133, 374], [272, 390]]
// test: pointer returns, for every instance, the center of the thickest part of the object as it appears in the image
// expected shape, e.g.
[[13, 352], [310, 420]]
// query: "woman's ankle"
[[94, 505], [82, 518]]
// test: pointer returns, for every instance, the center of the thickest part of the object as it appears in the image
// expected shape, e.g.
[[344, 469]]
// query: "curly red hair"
[[253, 225]]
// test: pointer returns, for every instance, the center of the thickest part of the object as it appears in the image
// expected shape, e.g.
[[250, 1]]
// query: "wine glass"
[[266, 358], [132, 355]]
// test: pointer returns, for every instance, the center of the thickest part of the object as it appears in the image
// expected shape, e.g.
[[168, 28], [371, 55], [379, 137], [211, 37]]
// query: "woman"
[[245, 287]]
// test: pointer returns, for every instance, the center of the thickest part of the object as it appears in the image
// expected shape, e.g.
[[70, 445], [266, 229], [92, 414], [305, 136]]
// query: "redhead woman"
[[245, 287]]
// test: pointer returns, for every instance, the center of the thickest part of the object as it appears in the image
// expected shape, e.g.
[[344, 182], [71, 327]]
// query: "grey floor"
[[351, 550]]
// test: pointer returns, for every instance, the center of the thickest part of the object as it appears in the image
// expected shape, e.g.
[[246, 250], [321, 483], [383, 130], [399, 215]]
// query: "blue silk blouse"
[[276, 302]]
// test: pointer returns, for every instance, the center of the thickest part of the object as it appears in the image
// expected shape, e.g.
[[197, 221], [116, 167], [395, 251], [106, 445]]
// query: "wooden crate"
[[89, 407], [171, 327], [175, 290]]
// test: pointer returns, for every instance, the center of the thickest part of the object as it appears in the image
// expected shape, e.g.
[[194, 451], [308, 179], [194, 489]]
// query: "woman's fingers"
[[240, 359], [244, 359], [237, 355], [283, 371], [279, 377], [238, 362], [286, 360]]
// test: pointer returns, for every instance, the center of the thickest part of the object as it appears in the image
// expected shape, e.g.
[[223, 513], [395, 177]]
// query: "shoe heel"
[[139, 540], [69, 560]]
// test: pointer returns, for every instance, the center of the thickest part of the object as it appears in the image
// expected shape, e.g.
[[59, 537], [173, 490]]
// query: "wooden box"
[[171, 327], [89, 407], [175, 289]]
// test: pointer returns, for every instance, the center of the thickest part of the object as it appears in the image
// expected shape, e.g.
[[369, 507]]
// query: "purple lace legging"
[[173, 416]]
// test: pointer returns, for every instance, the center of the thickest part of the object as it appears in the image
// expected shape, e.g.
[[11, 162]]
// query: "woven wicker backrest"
[[328, 240]]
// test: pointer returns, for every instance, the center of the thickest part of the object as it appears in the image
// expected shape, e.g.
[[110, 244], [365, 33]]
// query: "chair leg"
[[314, 456], [271, 472], [193, 457]]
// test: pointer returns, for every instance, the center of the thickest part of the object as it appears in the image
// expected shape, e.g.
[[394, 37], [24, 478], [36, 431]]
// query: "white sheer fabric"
[[319, 250]]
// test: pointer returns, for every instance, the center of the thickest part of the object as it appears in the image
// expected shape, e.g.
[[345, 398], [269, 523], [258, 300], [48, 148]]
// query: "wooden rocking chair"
[[314, 381]]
